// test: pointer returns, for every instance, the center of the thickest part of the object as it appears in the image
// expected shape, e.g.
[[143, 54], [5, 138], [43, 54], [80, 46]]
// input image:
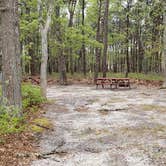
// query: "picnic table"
[[116, 82], [103, 81]]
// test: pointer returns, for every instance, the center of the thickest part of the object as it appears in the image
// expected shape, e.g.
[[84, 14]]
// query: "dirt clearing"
[[104, 127]]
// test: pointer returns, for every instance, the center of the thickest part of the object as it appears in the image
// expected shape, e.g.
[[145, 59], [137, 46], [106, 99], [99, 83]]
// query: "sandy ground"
[[105, 127]]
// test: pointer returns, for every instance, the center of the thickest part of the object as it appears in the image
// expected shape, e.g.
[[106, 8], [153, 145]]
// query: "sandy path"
[[105, 128]]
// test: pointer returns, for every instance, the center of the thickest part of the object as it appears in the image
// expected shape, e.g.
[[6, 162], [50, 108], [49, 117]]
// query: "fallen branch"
[[45, 127]]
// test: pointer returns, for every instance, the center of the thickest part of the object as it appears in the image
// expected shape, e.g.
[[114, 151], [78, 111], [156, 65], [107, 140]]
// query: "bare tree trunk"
[[98, 38], [105, 37], [127, 38], [62, 67], [71, 8], [44, 32], [141, 54], [61, 55], [0, 44], [11, 68], [44, 59], [164, 43], [83, 51]]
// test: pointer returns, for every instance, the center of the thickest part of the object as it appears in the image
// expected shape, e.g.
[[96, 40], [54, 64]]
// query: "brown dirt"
[[17, 149], [103, 126], [20, 149]]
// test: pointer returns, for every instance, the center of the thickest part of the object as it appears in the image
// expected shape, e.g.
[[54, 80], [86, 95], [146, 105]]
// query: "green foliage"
[[9, 121], [144, 39], [141, 76], [150, 77], [31, 95]]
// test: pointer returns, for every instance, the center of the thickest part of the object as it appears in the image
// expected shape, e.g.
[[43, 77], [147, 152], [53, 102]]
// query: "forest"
[[81, 32], [92, 36], [52, 55]]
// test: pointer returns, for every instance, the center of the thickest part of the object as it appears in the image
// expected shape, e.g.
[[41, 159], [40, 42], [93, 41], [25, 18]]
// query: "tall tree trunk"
[[71, 8], [140, 50], [83, 51], [98, 38], [61, 55], [105, 37], [164, 44], [44, 58], [127, 39], [44, 32], [11, 67], [62, 67]]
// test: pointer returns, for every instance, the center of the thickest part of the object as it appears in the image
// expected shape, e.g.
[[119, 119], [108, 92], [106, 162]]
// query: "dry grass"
[[151, 107], [117, 100], [142, 130]]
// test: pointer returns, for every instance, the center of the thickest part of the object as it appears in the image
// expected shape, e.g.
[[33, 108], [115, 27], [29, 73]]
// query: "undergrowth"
[[141, 76], [31, 96], [9, 121]]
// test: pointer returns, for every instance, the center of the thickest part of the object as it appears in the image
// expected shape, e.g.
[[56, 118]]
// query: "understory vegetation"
[[9, 121], [140, 76]]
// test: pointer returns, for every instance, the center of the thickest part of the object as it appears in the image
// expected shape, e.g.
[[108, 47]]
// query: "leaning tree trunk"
[[105, 37], [11, 68]]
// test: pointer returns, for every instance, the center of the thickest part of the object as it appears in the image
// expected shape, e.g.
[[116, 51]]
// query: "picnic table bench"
[[117, 82]]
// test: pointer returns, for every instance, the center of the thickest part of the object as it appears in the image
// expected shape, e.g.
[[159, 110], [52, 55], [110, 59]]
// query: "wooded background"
[[91, 36]]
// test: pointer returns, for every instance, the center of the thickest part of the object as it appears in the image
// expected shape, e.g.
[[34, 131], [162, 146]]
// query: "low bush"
[[31, 95], [9, 121], [141, 76]]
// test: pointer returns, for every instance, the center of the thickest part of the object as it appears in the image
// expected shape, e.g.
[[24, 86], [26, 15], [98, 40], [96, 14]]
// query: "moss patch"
[[40, 124], [36, 129]]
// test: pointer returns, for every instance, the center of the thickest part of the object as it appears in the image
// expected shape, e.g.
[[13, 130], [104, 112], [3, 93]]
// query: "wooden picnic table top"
[[120, 78], [113, 79]]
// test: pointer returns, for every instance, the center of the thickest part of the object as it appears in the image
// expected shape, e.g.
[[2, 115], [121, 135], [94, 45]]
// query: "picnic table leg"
[[116, 84], [129, 86]]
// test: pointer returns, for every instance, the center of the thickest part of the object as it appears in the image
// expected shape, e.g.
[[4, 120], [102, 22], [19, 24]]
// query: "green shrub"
[[31, 95], [9, 121], [141, 76]]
